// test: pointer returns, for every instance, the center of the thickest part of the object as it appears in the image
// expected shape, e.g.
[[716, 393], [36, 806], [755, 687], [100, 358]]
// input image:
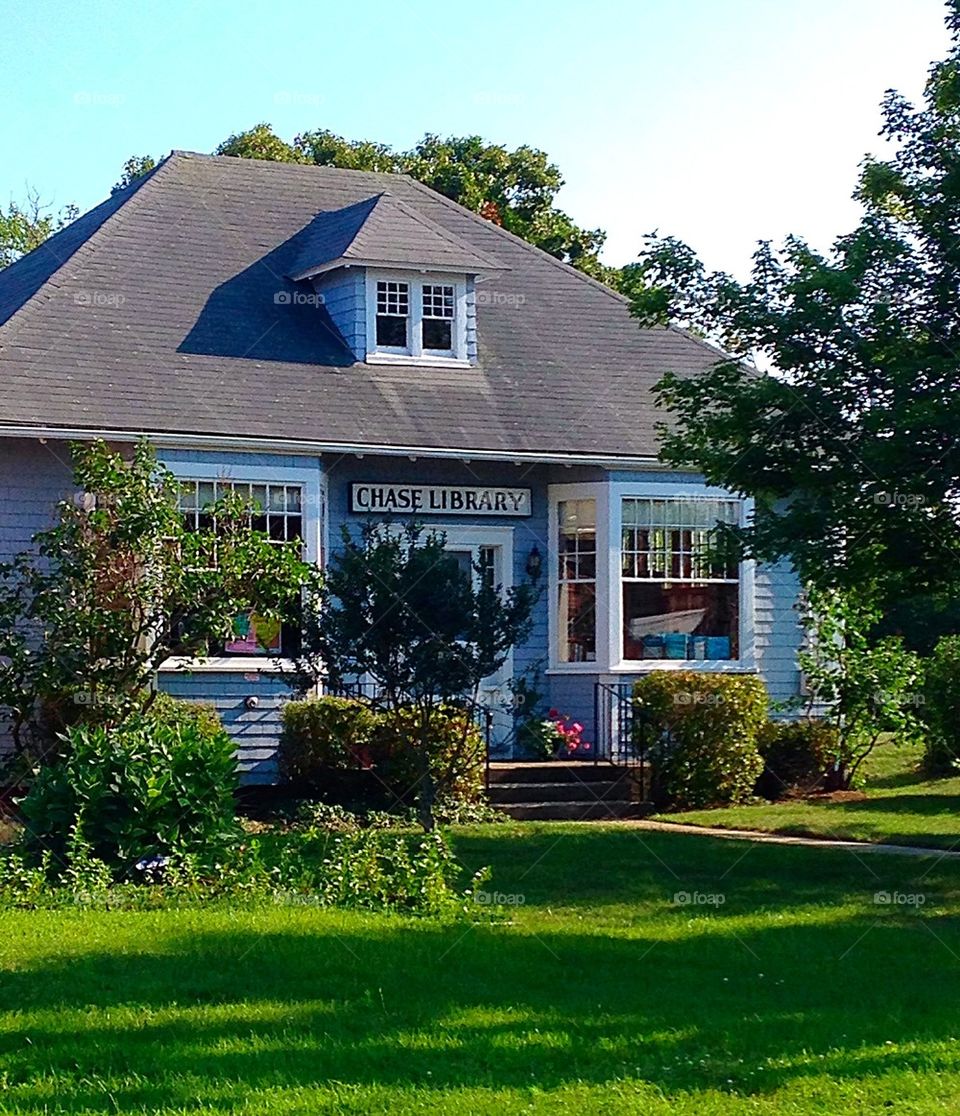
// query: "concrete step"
[[554, 771], [575, 811], [615, 790]]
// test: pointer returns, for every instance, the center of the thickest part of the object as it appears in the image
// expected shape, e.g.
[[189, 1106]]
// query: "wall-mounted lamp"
[[534, 563]]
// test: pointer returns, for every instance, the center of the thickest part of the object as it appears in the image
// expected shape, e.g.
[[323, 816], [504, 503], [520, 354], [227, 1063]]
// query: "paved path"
[[785, 839]]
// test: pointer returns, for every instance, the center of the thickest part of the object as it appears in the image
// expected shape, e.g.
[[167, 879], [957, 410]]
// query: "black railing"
[[621, 730]]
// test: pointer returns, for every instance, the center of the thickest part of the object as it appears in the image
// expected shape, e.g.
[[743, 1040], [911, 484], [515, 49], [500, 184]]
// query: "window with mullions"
[[681, 592], [277, 511], [438, 310], [577, 581], [393, 314]]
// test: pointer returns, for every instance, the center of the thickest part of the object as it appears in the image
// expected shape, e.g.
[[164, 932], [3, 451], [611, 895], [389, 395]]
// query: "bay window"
[[645, 576], [577, 581], [680, 595]]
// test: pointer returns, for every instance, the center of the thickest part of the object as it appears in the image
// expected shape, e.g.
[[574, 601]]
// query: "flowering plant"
[[567, 733]]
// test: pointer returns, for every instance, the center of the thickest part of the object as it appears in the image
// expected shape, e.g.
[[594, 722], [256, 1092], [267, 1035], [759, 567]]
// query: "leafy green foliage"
[[118, 585], [865, 687], [324, 734], [941, 708], [135, 167], [344, 867], [25, 227], [397, 608], [850, 445], [329, 734], [456, 750], [516, 189], [796, 756], [704, 731], [141, 789]]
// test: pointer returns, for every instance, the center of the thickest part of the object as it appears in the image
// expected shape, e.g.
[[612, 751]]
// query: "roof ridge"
[[49, 288]]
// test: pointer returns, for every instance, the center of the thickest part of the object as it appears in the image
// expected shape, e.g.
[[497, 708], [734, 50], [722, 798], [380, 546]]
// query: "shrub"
[[796, 756], [940, 711], [457, 753], [704, 735], [148, 787], [322, 735]]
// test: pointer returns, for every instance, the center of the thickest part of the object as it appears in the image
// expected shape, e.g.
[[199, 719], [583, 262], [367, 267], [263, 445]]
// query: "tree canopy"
[[851, 443]]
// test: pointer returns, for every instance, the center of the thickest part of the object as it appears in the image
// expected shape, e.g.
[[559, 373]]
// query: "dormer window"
[[393, 313], [416, 319], [438, 305]]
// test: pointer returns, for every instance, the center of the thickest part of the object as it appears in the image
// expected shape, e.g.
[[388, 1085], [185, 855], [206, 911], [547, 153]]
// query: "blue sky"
[[722, 121]]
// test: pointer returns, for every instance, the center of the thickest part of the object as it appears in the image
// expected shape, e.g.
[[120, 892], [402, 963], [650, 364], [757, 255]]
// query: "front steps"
[[560, 790]]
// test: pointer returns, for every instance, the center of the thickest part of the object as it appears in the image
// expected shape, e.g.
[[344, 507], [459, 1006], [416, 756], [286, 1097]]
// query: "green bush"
[[701, 735], [457, 754], [940, 711], [147, 787], [796, 756], [176, 712], [322, 735]]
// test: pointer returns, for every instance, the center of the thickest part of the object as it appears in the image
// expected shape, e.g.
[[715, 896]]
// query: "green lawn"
[[899, 808], [599, 994]]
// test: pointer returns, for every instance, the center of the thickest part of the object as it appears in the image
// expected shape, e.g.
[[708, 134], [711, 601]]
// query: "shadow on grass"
[[770, 985]]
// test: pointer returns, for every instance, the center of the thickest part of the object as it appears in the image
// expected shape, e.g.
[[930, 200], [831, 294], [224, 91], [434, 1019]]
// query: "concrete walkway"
[[785, 839]]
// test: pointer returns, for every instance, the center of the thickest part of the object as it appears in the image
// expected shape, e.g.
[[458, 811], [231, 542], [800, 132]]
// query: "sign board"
[[439, 499]]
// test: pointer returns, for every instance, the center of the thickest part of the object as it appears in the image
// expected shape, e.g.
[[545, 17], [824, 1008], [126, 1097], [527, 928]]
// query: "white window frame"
[[415, 353], [609, 496], [312, 483]]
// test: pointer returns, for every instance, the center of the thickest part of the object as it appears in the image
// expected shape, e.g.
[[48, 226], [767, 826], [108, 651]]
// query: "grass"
[[791, 991], [898, 807]]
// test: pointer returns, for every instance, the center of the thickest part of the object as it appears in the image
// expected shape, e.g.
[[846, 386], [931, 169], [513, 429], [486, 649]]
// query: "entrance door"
[[485, 554]]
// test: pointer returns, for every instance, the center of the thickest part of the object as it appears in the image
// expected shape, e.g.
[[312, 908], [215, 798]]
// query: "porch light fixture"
[[533, 563]]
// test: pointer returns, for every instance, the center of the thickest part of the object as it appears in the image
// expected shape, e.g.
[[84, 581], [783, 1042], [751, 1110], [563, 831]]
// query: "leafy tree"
[[396, 607], [119, 584], [516, 189], [865, 687], [135, 167], [851, 444], [25, 227]]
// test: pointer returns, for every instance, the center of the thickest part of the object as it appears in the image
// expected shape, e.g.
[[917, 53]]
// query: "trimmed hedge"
[[940, 711], [324, 734], [325, 737], [796, 756], [704, 731], [457, 756]]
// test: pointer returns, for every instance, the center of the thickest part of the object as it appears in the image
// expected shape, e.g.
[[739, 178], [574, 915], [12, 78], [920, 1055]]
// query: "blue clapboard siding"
[[344, 295], [255, 731]]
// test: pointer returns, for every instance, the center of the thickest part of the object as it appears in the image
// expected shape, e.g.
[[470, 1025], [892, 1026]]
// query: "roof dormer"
[[398, 286]]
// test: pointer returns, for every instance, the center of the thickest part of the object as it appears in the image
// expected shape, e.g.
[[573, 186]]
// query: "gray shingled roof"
[[158, 312], [382, 230]]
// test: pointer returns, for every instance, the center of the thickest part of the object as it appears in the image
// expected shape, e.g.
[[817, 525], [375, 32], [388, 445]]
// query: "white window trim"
[[313, 484], [609, 497], [416, 354]]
